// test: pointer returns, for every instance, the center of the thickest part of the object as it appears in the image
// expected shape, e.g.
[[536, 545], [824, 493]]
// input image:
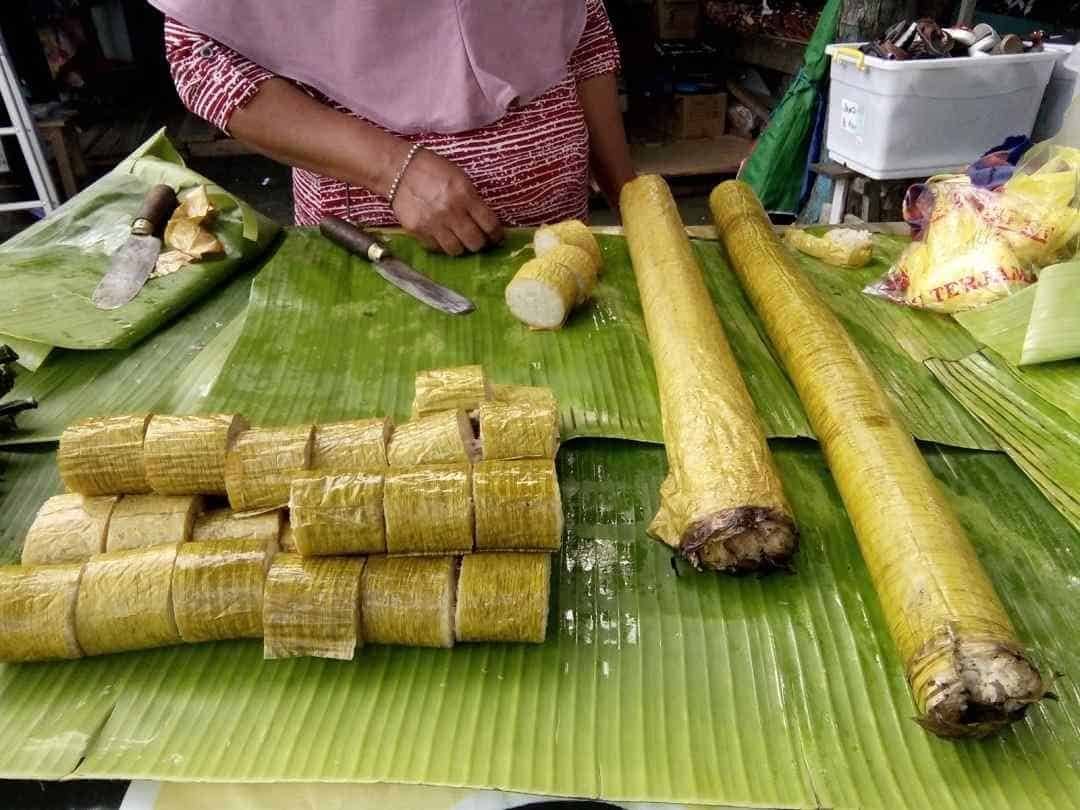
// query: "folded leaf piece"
[[522, 429], [503, 597], [722, 505], [518, 505], [152, 520], [68, 528], [217, 589], [445, 437], [185, 455], [104, 456], [262, 463], [355, 446], [37, 612], [967, 670], [429, 510], [442, 389], [409, 601], [223, 524], [339, 514]]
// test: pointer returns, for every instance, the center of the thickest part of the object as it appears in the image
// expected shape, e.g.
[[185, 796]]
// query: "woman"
[[451, 118]]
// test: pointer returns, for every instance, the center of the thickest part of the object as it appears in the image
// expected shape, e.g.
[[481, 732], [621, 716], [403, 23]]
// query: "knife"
[[131, 264], [359, 242]]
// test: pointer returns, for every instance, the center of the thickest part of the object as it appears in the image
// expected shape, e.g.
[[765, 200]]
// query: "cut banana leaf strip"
[[31, 355]]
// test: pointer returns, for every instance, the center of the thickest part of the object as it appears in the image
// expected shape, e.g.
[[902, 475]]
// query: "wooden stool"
[[59, 133]]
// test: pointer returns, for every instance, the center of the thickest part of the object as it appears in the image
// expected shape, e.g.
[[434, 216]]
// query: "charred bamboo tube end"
[[745, 539]]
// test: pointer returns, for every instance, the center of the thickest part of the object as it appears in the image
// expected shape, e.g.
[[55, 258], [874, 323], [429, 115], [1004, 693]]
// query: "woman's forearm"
[[609, 154]]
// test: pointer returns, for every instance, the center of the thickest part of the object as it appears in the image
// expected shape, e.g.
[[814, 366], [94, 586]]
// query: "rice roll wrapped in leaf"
[[722, 505], [568, 232], [355, 446], [438, 438], [518, 505], [444, 389], [409, 601], [578, 262], [185, 455], [104, 456], [429, 509], [217, 589], [542, 293], [538, 395], [37, 612], [288, 539], [968, 671], [311, 607], [125, 601], [520, 429], [224, 524], [152, 520], [339, 514], [68, 528], [503, 597], [262, 463]]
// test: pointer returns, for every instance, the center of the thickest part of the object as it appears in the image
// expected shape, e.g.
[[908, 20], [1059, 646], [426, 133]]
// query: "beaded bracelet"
[[401, 173]]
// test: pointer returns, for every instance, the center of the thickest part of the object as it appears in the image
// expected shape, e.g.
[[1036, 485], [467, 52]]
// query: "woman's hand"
[[437, 203]]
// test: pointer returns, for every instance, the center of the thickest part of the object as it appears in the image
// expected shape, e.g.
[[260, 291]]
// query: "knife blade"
[[131, 265], [394, 270]]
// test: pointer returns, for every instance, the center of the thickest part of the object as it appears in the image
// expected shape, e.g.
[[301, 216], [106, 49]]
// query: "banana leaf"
[[50, 270], [656, 683]]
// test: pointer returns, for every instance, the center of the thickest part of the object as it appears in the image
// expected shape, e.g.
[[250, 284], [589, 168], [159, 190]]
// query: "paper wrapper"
[[152, 520], [520, 429], [339, 514], [37, 612], [518, 505], [261, 464], [68, 528], [444, 389], [185, 455], [409, 601], [125, 601], [503, 597], [569, 232], [722, 505], [429, 510], [217, 589], [311, 606], [356, 446], [967, 670], [439, 438], [103, 456], [223, 524]]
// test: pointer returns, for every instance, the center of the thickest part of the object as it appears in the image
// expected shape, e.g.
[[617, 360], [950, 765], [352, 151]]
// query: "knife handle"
[[157, 206], [353, 239]]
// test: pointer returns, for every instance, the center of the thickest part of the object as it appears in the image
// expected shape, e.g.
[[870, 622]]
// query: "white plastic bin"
[[892, 119], [1064, 86]]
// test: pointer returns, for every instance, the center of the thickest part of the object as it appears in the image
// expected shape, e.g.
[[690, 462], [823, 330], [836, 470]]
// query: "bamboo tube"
[[339, 514], [68, 528], [152, 520], [217, 589], [37, 612], [311, 607], [356, 446], [429, 510], [409, 601], [518, 505], [262, 463], [722, 505], [968, 672], [444, 389], [520, 429], [185, 455], [542, 293], [125, 601], [445, 437], [503, 597], [568, 232], [223, 524], [103, 456]]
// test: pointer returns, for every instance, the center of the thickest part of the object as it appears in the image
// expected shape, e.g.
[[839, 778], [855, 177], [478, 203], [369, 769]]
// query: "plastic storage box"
[[1064, 86], [890, 119]]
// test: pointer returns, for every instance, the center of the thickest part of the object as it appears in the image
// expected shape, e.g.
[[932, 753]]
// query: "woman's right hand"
[[437, 203]]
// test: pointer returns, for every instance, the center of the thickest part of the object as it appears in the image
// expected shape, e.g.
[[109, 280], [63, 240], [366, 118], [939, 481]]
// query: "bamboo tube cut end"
[[745, 539]]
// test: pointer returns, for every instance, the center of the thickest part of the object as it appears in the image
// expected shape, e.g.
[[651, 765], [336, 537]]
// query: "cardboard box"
[[698, 115], [677, 19]]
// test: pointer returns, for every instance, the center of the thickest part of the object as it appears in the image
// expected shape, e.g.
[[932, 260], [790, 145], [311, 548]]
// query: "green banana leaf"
[[656, 683], [31, 355], [50, 270]]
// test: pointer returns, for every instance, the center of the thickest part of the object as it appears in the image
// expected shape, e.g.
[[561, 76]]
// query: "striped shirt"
[[531, 166]]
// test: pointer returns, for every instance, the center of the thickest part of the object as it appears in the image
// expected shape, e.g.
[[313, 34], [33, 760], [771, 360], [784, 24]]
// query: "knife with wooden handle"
[[359, 242]]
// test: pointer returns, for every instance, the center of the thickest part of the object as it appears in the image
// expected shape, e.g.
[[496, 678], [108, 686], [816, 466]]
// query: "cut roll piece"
[[722, 505], [568, 232], [578, 262], [537, 395], [185, 455], [311, 606], [152, 520], [125, 601], [541, 294], [37, 612], [444, 389], [356, 446], [521, 429], [104, 456], [968, 672], [263, 462], [409, 601], [68, 528], [223, 524], [217, 589], [429, 510], [288, 539], [518, 505], [503, 597], [439, 438], [339, 514]]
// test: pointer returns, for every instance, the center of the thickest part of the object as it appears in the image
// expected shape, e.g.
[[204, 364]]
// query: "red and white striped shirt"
[[531, 166]]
